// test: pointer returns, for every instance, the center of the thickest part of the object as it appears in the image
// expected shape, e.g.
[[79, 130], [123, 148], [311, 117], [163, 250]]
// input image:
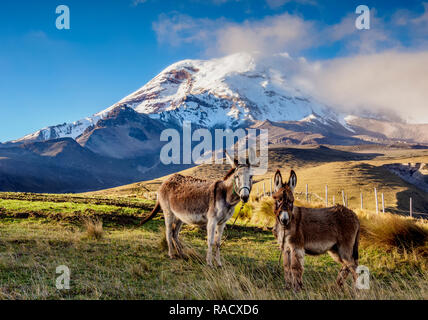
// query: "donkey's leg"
[[175, 232], [343, 272], [211, 226], [345, 253], [297, 261], [287, 267], [217, 240], [169, 222], [352, 267]]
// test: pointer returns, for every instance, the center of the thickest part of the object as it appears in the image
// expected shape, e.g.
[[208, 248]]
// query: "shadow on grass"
[[419, 203]]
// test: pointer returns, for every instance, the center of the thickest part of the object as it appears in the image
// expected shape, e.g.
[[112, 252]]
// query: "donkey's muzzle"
[[244, 194], [284, 218], [244, 198]]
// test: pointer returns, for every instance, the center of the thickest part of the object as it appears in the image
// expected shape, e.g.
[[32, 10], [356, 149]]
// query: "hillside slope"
[[352, 169]]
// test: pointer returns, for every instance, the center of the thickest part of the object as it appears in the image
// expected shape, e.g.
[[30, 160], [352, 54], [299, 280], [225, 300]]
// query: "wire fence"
[[267, 190]]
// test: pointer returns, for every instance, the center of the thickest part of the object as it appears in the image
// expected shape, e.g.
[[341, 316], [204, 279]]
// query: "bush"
[[94, 228], [383, 229], [392, 230]]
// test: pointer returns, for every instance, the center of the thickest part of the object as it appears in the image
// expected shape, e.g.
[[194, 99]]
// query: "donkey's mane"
[[229, 173]]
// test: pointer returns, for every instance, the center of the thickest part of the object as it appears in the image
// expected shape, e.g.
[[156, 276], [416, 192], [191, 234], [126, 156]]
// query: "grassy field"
[[354, 170], [110, 257], [117, 259]]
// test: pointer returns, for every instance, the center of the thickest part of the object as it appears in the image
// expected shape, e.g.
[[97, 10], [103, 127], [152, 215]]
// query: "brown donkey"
[[204, 203], [312, 231]]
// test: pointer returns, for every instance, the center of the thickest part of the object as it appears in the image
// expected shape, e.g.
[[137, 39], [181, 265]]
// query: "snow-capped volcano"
[[225, 91], [122, 144], [218, 92]]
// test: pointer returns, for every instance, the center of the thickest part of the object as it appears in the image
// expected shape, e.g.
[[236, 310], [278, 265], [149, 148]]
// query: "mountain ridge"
[[121, 144], [220, 92]]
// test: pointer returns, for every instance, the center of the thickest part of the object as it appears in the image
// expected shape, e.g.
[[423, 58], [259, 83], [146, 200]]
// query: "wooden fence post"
[[361, 195], [377, 204], [411, 207], [264, 189], [326, 195], [383, 203], [307, 194], [343, 198]]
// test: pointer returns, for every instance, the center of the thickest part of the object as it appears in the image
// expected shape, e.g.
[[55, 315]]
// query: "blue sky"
[[50, 76]]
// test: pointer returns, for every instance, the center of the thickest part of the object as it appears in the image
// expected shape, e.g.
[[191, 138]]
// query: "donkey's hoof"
[[218, 263], [184, 256], [340, 284], [174, 256], [288, 286], [298, 287]]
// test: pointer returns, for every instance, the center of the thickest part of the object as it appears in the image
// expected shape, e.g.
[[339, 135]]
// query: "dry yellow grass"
[[352, 169], [386, 230], [93, 228], [354, 178], [261, 282], [392, 230], [395, 248]]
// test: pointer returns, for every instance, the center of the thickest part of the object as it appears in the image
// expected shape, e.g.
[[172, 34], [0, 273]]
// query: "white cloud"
[[272, 34], [219, 37], [376, 72], [137, 2], [274, 4], [391, 83], [277, 33], [179, 29], [423, 18], [414, 26]]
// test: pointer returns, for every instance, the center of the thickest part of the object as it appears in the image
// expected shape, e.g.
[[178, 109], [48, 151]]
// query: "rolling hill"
[[352, 169]]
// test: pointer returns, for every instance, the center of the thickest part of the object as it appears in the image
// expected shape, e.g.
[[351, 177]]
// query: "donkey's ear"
[[292, 181], [233, 162], [277, 180]]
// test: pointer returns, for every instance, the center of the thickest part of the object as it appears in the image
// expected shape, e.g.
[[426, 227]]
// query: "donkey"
[[189, 200], [312, 231]]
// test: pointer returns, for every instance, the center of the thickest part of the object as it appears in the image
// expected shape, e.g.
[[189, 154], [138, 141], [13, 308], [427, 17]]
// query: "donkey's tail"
[[155, 210], [355, 249]]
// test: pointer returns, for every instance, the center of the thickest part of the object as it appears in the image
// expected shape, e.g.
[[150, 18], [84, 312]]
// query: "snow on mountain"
[[65, 130], [218, 92], [225, 91]]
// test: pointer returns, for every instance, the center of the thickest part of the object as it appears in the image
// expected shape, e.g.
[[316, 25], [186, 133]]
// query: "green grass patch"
[[130, 263], [111, 257]]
